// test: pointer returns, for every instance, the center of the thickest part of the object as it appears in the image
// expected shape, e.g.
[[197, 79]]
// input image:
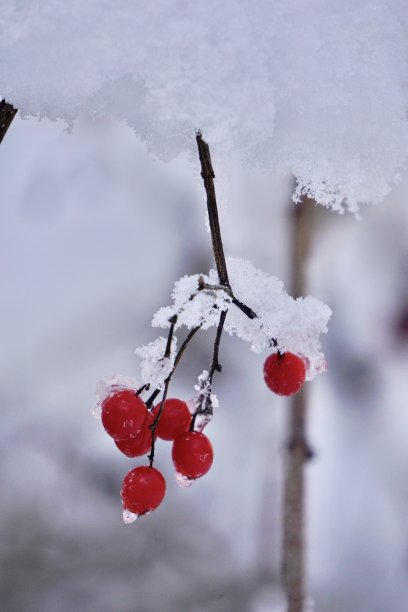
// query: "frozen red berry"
[[141, 443], [192, 454], [143, 489], [175, 419], [284, 373], [123, 414]]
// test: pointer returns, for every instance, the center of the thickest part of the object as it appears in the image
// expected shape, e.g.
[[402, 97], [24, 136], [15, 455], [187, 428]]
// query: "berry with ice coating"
[[141, 443], [143, 490], [284, 373], [174, 420], [123, 414], [192, 454]]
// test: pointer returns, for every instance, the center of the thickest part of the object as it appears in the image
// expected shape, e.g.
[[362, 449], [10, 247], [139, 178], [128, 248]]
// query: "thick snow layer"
[[314, 88]]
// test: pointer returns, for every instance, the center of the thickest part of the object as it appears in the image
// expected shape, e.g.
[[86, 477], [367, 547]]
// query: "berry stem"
[[215, 364], [179, 355], [7, 114], [155, 393], [153, 426], [142, 388]]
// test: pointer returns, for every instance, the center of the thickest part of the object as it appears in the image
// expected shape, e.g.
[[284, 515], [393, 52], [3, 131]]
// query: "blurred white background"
[[94, 232]]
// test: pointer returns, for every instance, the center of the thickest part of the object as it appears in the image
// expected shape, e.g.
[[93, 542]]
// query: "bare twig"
[[172, 322], [208, 175], [293, 557], [215, 363], [179, 355], [155, 423], [7, 114], [155, 393]]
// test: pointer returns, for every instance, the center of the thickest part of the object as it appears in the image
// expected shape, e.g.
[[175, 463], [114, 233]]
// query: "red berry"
[[284, 373], [192, 454], [141, 443], [123, 414], [174, 420], [143, 489]]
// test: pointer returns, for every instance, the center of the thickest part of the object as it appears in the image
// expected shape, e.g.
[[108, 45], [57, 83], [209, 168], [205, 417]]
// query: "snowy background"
[[97, 225], [93, 235]]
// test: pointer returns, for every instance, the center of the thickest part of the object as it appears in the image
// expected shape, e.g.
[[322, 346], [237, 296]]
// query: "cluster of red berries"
[[128, 421], [134, 429]]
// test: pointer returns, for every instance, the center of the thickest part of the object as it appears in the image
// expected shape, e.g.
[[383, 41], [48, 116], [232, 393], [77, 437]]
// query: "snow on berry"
[[284, 373], [108, 386], [123, 414], [143, 490]]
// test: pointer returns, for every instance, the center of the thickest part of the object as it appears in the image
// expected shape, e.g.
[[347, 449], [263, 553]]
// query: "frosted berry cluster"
[[135, 425], [135, 428], [236, 298]]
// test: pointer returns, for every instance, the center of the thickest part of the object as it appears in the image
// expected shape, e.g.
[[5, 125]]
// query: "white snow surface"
[[296, 324], [315, 88], [155, 367]]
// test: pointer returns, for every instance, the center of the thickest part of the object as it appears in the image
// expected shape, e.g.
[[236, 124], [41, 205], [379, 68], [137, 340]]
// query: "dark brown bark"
[[7, 114], [208, 175]]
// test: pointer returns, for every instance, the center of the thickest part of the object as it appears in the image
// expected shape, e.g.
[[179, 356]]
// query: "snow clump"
[[314, 89]]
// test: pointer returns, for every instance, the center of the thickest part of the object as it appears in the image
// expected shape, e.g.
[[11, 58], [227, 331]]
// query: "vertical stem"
[[7, 114], [293, 557], [208, 175]]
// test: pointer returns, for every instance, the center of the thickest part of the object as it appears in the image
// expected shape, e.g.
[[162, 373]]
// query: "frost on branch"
[[192, 306], [296, 324], [204, 388], [316, 89], [204, 402], [154, 366]]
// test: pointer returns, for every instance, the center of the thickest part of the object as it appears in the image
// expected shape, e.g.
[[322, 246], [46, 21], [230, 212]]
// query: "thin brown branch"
[[298, 450], [155, 423], [155, 393], [7, 114], [208, 175], [215, 363], [172, 322], [179, 355]]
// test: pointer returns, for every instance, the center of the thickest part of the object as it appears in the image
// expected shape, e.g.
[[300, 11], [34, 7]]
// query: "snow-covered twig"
[[204, 404]]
